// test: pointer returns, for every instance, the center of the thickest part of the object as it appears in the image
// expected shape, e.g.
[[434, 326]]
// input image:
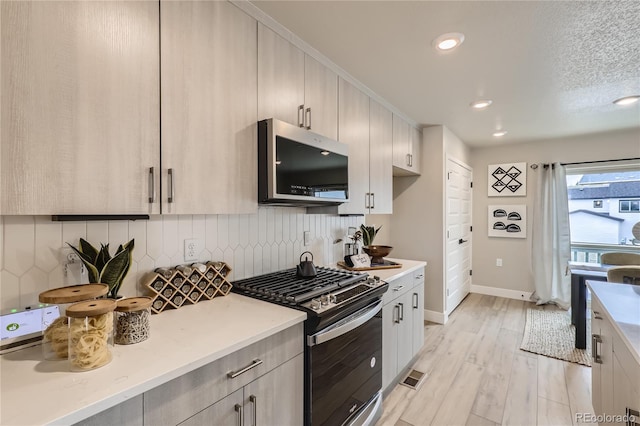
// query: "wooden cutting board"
[[369, 268]]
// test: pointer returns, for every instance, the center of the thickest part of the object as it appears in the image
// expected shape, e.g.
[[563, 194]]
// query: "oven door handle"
[[352, 322]]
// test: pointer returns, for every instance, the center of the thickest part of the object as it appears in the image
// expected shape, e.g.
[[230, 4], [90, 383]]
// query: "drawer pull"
[[398, 288], [254, 364]]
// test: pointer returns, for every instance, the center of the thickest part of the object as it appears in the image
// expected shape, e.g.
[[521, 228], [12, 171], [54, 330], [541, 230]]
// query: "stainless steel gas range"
[[343, 340]]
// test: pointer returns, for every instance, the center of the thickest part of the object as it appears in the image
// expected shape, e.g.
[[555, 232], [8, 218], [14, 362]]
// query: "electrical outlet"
[[498, 262], [306, 237], [192, 248]]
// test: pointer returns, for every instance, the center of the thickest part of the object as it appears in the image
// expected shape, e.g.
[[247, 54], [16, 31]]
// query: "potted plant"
[[377, 253], [368, 234], [102, 267]]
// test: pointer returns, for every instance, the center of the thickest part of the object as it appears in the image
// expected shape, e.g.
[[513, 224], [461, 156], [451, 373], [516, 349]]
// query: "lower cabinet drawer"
[[181, 398], [398, 287]]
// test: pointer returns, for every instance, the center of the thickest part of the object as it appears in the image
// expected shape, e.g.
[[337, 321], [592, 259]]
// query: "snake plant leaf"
[[103, 257], [114, 271], [89, 250]]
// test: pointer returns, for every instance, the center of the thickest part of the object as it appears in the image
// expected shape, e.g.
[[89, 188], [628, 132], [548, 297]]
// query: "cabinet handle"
[[415, 300], [596, 315], [308, 122], [171, 198], [367, 200], [419, 277], [398, 288], [373, 200], [238, 409], [301, 116], [401, 311], [254, 364], [396, 316], [152, 185], [409, 160], [594, 348], [254, 402]]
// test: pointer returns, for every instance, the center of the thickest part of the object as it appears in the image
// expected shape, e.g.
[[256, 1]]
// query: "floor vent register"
[[414, 379]]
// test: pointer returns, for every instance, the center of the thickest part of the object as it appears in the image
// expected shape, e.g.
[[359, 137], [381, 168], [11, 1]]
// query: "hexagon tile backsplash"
[[33, 249]]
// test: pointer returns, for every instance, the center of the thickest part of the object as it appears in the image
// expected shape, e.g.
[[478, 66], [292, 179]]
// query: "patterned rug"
[[551, 334]]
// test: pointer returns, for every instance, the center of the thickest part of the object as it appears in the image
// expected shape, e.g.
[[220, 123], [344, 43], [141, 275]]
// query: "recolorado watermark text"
[[605, 418]]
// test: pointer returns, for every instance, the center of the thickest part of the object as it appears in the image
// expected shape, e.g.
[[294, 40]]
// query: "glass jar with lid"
[[132, 320], [55, 328], [90, 333]]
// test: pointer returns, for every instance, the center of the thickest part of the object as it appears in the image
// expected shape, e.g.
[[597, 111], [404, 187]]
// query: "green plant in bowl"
[[368, 234], [102, 267]]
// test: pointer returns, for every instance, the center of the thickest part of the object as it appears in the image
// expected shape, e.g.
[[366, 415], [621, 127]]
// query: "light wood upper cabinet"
[[294, 87], [320, 98], [209, 103], [407, 142], [354, 131], [80, 101], [280, 78], [380, 160]]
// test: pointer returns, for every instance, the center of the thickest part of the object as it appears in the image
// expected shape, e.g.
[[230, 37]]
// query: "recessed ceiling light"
[[627, 100], [481, 104], [499, 133], [448, 41]]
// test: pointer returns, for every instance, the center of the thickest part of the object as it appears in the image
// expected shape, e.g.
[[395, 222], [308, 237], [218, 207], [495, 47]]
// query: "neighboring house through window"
[[604, 205]]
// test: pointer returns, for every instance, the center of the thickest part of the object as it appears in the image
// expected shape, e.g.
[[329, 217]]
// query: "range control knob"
[[315, 304], [324, 299]]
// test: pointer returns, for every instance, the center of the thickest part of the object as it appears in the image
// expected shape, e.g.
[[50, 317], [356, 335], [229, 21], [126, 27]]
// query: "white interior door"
[[458, 241]]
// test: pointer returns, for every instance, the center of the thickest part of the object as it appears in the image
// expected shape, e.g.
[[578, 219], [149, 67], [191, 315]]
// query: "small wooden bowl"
[[377, 252]]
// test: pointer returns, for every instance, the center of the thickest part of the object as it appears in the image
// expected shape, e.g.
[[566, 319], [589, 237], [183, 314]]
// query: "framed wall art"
[[508, 221], [507, 180]]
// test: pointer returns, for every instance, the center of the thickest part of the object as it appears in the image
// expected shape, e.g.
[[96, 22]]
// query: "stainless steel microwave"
[[300, 168]]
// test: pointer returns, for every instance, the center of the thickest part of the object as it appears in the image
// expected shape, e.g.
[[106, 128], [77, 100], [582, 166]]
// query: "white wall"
[[32, 255], [417, 223], [516, 253]]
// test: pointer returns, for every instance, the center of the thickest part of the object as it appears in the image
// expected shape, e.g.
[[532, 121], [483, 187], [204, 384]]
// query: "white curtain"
[[551, 240]]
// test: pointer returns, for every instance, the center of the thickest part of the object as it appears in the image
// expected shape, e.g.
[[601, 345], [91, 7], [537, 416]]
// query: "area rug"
[[551, 334]]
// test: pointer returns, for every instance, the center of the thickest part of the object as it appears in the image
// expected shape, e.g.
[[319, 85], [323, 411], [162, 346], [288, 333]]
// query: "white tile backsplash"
[[32, 248]]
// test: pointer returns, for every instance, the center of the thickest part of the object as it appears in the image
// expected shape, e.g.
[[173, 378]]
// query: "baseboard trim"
[[501, 292], [437, 317]]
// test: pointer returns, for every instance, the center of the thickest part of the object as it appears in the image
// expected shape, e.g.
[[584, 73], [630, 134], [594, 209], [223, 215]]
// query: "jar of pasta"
[[90, 333], [132, 320], [55, 334]]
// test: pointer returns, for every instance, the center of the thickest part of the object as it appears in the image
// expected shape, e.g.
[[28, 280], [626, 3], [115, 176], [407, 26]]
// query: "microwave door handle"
[[355, 321]]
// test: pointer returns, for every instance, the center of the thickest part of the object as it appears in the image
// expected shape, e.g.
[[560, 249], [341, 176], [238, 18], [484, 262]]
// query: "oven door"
[[344, 371]]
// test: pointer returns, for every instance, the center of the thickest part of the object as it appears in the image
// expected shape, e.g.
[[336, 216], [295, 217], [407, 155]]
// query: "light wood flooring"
[[477, 375]]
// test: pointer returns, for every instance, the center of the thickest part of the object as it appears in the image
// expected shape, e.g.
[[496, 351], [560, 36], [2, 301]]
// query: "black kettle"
[[306, 268]]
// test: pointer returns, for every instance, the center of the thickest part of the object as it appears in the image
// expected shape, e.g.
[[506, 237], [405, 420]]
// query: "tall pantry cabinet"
[[80, 100]]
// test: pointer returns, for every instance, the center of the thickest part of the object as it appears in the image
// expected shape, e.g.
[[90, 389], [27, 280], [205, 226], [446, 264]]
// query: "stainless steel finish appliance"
[[343, 340], [298, 167]]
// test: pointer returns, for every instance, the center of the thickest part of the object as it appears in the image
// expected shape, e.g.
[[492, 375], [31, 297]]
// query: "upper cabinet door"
[[209, 86], [320, 98], [354, 131], [280, 78], [401, 135], [80, 102], [380, 159], [415, 150]]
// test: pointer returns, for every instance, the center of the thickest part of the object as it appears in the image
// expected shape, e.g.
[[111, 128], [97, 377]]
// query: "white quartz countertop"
[[622, 305], [36, 392], [408, 266]]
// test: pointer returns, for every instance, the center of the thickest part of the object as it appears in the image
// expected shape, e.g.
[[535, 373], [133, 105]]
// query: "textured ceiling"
[[552, 69]]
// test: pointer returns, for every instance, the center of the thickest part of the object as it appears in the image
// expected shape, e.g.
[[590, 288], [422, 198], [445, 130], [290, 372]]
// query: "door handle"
[[308, 122], [373, 200], [401, 311], [460, 241], [301, 116], [152, 185], [238, 409], [367, 200], [171, 197], [415, 300], [396, 311], [254, 402], [594, 348]]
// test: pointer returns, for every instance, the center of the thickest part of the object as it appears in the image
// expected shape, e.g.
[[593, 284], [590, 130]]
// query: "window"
[[629, 206], [604, 205]]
